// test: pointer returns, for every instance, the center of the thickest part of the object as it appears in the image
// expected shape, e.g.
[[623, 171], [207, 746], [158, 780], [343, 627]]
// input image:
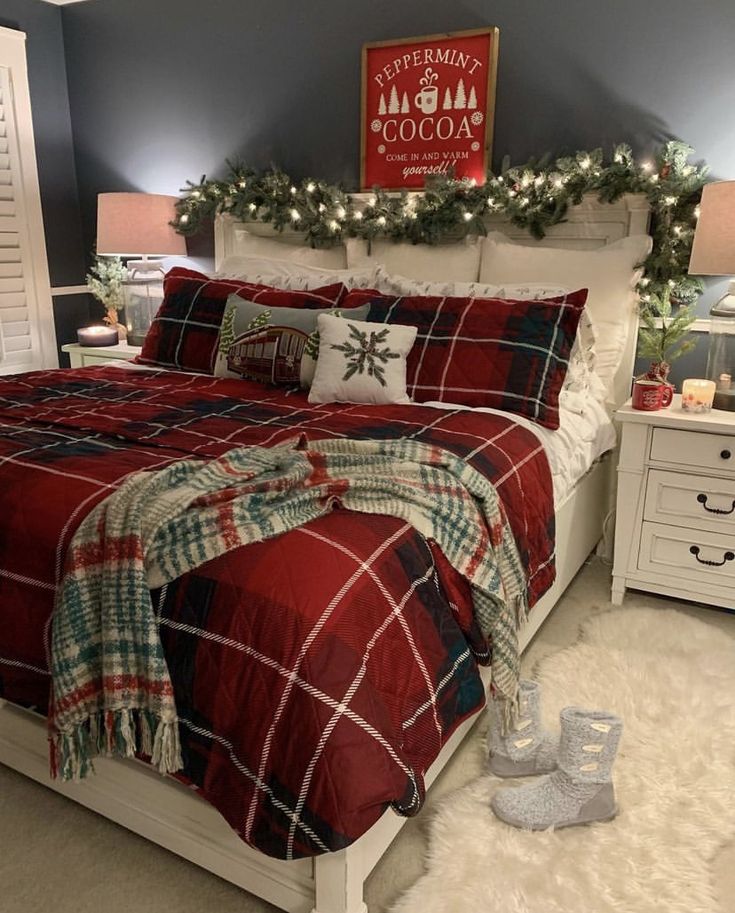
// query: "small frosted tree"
[[393, 105], [460, 99], [447, 106], [404, 104], [381, 105], [472, 101]]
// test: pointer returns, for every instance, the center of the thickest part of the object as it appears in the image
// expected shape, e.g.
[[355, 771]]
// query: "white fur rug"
[[672, 680]]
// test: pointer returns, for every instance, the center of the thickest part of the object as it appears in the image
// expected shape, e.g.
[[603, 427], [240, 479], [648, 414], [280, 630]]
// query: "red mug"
[[650, 395]]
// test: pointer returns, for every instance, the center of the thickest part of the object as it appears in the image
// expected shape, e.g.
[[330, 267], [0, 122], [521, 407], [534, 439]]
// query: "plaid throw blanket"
[[111, 688]]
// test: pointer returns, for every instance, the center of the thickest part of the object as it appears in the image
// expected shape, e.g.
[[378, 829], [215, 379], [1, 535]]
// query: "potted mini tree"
[[664, 334]]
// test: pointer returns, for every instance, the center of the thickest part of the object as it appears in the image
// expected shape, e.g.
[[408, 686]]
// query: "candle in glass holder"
[[98, 336], [697, 395]]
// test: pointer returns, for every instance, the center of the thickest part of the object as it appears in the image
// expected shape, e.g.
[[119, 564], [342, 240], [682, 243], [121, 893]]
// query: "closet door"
[[27, 338]]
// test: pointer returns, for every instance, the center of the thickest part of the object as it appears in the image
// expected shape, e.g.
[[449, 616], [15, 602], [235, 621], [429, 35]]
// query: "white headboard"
[[590, 225]]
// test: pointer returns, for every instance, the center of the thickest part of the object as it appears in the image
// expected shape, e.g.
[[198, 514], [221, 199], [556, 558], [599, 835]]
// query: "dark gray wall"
[[163, 90], [56, 172]]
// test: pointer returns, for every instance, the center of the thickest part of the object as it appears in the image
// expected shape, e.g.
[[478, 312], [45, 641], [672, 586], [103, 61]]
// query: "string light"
[[310, 187], [585, 163], [322, 207], [334, 225], [242, 184], [381, 220], [293, 191], [340, 212], [647, 167], [252, 207], [467, 216], [183, 219], [295, 215], [539, 182], [357, 216], [671, 201], [697, 211]]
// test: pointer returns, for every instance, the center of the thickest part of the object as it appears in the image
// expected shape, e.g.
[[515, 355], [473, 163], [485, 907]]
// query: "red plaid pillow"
[[506, 354], [185, 331]]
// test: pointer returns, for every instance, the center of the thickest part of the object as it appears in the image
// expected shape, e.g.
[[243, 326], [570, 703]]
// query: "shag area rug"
[[670, 677]]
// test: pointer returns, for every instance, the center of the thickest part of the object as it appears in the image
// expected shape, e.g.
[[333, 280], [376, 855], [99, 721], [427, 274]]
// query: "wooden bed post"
[[339, 879]]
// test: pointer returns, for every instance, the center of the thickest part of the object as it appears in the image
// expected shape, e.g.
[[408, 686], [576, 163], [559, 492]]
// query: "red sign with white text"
[[427, 108]]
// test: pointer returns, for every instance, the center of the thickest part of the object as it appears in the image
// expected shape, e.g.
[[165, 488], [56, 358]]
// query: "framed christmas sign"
[[428, 106]]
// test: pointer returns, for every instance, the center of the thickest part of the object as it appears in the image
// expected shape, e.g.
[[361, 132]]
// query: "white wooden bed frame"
[[133, 795]]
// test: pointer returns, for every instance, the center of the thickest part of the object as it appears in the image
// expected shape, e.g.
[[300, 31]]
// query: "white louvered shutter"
[[27, 340]]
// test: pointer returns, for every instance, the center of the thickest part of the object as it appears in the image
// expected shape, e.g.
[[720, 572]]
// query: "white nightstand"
[[82, 356], [675, 524]]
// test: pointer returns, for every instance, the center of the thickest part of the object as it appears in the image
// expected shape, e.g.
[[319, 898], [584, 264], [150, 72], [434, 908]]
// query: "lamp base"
[[725, 401]]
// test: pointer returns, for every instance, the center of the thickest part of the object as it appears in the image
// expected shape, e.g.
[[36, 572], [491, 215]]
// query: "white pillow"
[[457, 262], [251, 245], [402, 285], [608, 272], [287, 274], [346, 372]]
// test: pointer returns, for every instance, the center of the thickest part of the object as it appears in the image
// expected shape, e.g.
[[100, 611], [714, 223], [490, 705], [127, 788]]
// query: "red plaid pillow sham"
[[185, 331], [494, 352]]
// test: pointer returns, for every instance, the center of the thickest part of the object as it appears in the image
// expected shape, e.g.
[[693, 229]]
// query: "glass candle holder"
[[697, 395]]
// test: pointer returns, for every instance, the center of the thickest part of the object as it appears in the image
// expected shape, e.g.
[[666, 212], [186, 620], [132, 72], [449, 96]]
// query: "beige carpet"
[[57, 856]]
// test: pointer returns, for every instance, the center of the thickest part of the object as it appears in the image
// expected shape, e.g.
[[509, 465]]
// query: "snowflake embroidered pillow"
[[361, 362], [275, 345]]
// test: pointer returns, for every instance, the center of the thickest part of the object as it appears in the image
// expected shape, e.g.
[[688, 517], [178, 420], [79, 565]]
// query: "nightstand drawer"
[[691, 555], [699, 502], [689, 448], [97, 360]]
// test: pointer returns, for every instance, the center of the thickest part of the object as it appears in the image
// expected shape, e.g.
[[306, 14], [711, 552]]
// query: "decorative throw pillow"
[[402, 285], [361, 362], [185, 331], [493, 352], [274, 345]]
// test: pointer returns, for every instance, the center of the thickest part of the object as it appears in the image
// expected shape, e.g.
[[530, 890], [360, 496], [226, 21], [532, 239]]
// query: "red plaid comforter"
[[316, 675]]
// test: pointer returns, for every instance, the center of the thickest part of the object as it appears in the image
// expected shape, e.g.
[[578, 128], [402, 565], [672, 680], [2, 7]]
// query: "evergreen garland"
[[533, 196]]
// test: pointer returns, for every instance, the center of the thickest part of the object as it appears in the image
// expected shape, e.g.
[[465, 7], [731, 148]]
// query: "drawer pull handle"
[[728, 556], [702, 498], [725, 454]]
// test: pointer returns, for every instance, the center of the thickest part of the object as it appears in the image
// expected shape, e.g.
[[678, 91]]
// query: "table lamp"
[[713, 254], [137, 225]]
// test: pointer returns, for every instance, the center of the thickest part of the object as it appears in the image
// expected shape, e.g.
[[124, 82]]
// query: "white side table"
[[675, 524], [82, 356]]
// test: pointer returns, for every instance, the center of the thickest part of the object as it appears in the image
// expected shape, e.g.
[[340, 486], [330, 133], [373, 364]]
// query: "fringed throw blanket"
[[111, 688]]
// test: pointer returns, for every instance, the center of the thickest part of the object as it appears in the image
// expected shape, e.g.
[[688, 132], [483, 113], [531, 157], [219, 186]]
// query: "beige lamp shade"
[[136, 224], [713, 251]]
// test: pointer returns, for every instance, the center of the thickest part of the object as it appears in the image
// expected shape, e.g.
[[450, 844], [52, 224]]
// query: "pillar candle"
[[97, 336]]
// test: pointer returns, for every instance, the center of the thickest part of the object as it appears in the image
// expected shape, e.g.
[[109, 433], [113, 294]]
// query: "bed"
[[95, 421]]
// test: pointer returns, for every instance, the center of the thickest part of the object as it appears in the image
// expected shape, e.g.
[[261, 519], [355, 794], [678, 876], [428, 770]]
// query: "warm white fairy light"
[[293, 191], [310, 187], [697, 211], [523, 201], [671, 201], [357, 215], [678, 230], [467, 216], [322, 207], [184, 219], [653, 179], [525, 181], [196, 194], [252, 207], [672, 283], [644, 282], [491, 203], [340, 212], [242, 184], [381, 220], [618, 158], [585, 163], [372, 201], [334, 225], [647, 167], [295, 215], [558, 182], [539, 182]]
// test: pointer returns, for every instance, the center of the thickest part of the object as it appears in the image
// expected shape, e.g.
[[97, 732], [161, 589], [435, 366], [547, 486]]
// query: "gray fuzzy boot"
[[580, 791], [527, 750]]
